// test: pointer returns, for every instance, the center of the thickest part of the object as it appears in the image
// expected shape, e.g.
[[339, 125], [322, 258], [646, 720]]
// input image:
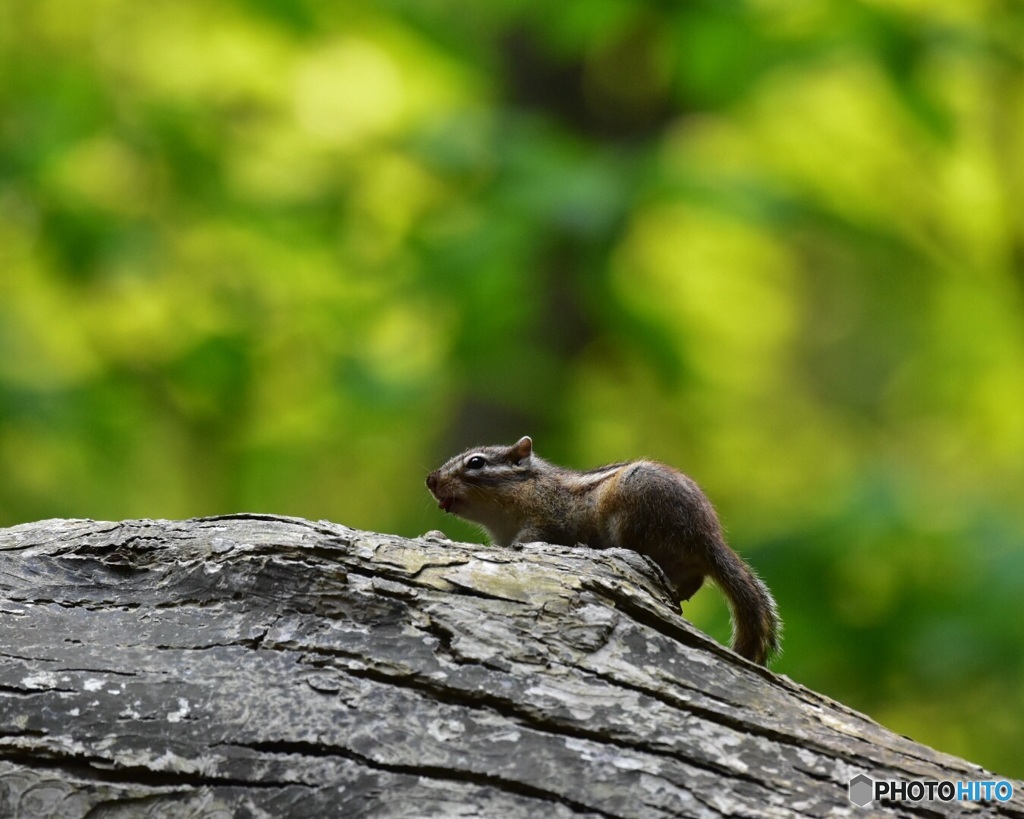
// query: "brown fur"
[[641, 505]]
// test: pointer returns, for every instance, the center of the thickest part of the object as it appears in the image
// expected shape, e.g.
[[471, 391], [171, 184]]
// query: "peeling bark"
[[254, 665]]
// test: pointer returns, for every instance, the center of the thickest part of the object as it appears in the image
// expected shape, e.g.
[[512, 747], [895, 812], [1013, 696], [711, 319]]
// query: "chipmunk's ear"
[[522, 450]]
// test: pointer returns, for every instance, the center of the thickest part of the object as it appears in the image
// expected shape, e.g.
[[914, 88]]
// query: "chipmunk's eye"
[[476, 462]]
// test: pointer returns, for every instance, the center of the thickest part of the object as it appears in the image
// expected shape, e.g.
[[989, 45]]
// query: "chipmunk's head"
[[480, 484]]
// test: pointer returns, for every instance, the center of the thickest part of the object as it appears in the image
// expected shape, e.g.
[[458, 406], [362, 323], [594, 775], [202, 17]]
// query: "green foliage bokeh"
[[288, 256]]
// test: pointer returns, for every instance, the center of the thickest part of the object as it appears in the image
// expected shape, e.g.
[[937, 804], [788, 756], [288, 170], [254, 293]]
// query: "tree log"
[[252, 665]]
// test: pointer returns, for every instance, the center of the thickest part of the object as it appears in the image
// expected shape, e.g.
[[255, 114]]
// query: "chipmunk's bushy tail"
[[756, 627]]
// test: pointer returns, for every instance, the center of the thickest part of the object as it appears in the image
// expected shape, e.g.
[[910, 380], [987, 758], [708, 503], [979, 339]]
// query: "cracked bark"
[[257, 665]]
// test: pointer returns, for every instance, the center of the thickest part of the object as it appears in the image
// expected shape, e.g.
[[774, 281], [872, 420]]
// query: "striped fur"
[[641, 505]]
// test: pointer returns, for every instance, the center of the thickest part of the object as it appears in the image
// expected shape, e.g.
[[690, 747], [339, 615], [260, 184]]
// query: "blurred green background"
[[287, 256]]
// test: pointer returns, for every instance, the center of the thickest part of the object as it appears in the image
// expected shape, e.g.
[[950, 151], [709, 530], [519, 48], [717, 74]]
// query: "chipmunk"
[[641, 505]]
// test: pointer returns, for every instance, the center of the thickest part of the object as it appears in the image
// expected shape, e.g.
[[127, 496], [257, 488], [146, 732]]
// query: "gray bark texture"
[[260, 666]]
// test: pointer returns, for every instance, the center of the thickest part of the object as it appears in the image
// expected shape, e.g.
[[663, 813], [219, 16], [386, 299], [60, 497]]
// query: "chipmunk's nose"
[[432, 481]]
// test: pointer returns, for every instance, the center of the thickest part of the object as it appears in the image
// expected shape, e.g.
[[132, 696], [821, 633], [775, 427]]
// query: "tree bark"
[[253, 665]]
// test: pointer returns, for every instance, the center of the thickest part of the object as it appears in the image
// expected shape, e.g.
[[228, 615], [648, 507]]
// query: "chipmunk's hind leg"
[[688, 584]]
